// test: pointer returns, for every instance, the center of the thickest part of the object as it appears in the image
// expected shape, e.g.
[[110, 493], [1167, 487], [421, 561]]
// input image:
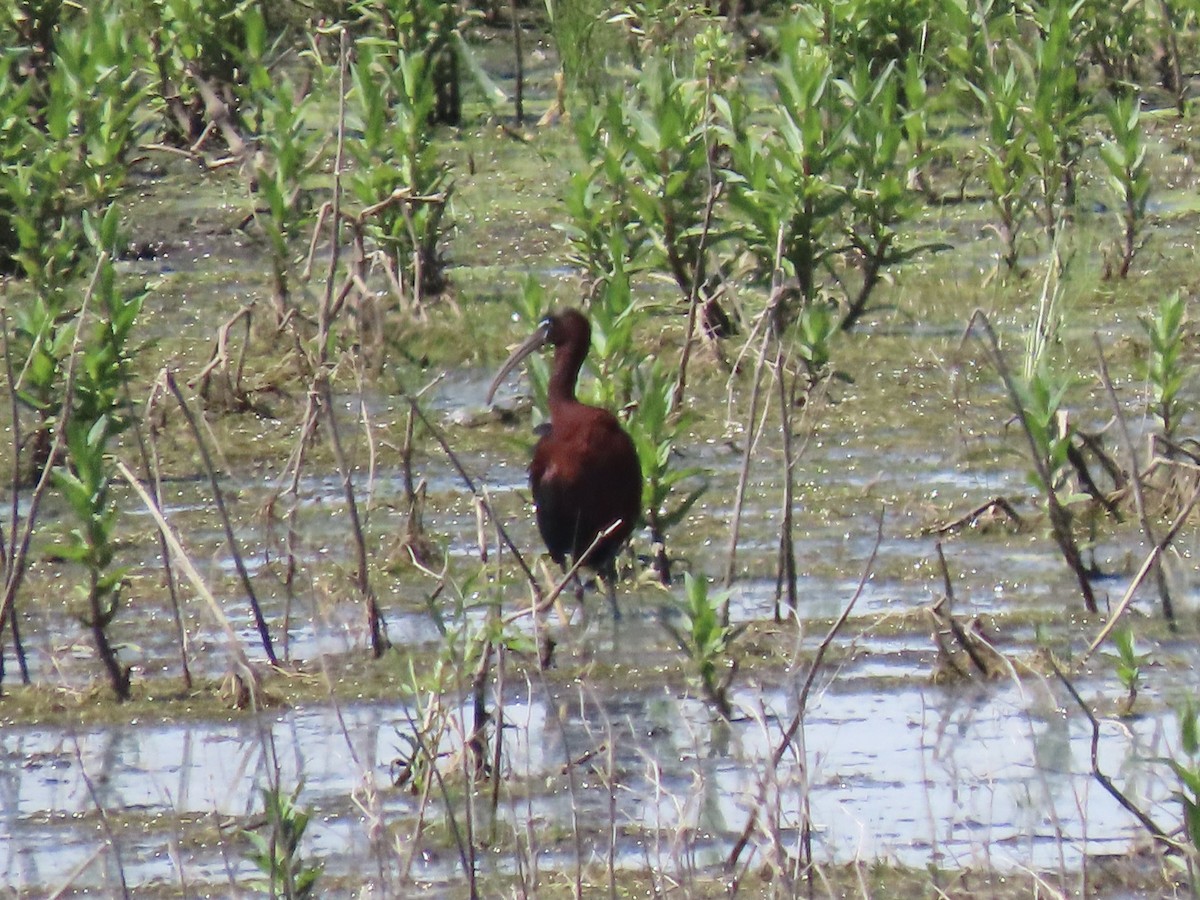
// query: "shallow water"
[[993, 775]]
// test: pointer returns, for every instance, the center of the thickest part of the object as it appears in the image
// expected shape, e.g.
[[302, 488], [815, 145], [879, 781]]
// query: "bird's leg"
[[608, 575]]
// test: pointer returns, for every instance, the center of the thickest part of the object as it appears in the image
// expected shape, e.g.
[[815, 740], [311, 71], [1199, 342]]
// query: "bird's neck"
[[567, 363]]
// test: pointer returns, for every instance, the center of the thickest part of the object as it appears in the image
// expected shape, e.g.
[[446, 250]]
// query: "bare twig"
[[220, 356], [471, 486], [1139, 496], [1060, 518], [544, 603], [150, 462], [765, 322], [105, 821], [797, 722], [1160, 836], [239, 563], [943, 614], [237, 653], [970, 518], [1141, 574], [218, 113]]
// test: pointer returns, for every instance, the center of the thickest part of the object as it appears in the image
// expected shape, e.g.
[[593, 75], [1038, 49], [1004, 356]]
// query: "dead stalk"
[[1142, 572], [239, 563], [1160, 836], [693, 299], [8, 550], [379, 640], [238, 657], [544, 603], [1058, 515], [327, 306], [753, 432], [219, 360], [786, 572], [153, 475], [1135, 474], [765, 321], [469, 482], [789, 735], [105, 820]]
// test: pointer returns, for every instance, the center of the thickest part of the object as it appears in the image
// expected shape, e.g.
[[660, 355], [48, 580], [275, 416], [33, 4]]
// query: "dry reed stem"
[[153, 473], [234, 645], [1056, 512], [802, 700], [1139, 495], [1160, 836], [753, 433], [239, 563], [1141, 574]]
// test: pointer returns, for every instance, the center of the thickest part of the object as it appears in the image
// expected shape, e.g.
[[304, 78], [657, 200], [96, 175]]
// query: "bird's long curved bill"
[[534, 342]]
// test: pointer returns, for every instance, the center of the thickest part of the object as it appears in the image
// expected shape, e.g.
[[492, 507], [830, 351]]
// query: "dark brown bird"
[[585, 475]]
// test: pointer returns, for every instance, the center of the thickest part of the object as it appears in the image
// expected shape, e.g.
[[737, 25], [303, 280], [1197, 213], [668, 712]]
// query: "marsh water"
[[896, 766]]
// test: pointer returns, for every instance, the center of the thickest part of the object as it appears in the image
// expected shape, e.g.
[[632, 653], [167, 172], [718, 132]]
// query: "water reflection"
[[995, 775]]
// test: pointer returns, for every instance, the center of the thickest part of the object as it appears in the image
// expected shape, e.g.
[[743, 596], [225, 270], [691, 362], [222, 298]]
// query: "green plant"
[[194, 46], [529, 307], [277, 853], [97, 413], [816, 328], [398, 175], [1007, 168], [657, 428], [583, 40], [878, 202], [1053, 117], [658, 29], [289, 152], [1128, 663], [603, 240], [70, 156], [1040, 398], [1165, 367], [662, 137], [881, 33], [786, 181], [1124, 157], [42, 334], [1037, 399], [707, 643], [1188, 772], [1114, 38]]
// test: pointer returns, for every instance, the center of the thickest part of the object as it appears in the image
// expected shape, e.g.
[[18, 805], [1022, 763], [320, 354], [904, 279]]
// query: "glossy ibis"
[[585, 474]]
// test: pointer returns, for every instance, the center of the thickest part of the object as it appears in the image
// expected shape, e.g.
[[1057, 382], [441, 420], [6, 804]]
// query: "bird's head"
[[569, 328]]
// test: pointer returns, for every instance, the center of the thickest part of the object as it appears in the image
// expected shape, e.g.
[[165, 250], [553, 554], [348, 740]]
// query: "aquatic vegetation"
[[1124, 155], [277, 853], [750, 215], [1166, 367], [1128, 664], [95, 412], [399, 180], [707, 643]]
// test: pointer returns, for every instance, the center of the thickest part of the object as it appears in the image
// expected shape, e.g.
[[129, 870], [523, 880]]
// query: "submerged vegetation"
[[253, 257]]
